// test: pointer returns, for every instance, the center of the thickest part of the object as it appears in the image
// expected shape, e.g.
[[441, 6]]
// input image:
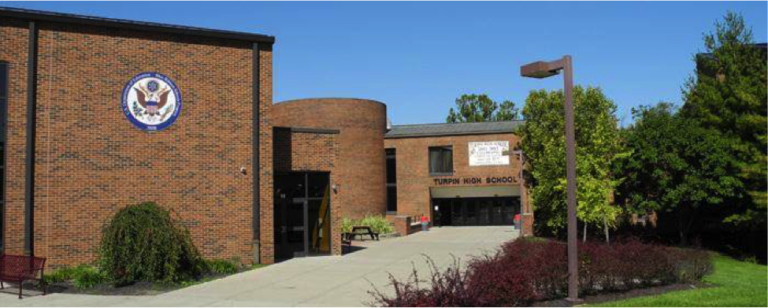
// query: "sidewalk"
[[314, 281]]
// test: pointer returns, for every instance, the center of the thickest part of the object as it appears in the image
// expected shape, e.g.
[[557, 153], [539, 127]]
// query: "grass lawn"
[[735, 284]]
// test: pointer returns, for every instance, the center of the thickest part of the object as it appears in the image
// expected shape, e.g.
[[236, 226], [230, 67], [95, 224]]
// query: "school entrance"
[[475, 206], [476, 211], [302, 214]]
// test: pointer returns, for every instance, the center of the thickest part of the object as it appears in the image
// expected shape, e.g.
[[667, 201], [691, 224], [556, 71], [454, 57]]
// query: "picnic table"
[[364, 230]]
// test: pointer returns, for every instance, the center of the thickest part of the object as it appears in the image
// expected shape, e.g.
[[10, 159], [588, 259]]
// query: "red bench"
[[19, 269]]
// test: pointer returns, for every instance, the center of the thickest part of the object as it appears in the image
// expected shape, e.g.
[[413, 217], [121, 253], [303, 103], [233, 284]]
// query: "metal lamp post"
[[543, 69]]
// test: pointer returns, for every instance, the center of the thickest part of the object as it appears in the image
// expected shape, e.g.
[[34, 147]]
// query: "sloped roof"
[[451, 129]]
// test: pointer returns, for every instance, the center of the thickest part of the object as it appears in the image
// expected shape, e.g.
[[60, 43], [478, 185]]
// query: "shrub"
[[378, 224], [60, 275], [624, 265], [751, 259], [86, 277], [690, 265], [446, 289], [524, 271], [82, 276], [346, 225], [221, 267], [143, 243], [521, 272]]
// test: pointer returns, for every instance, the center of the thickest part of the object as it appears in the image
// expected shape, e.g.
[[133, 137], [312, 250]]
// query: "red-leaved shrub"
[[445, 288], [690, 265], [528, 270], [520, 273], [624, 265]]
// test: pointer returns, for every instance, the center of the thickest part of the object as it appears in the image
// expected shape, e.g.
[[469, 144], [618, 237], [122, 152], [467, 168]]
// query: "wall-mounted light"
[[242, 170], [335, 188]]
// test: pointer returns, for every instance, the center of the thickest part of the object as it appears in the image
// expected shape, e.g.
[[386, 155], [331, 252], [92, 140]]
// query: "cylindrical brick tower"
[[362, 125]]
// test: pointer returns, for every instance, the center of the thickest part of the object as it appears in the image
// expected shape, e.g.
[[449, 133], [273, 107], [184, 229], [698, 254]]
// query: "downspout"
[[256, 78], [29, 172]]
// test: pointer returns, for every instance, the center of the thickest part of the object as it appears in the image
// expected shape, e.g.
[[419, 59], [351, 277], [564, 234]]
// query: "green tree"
[[728, 94], [543, 142], [481, 108], [676, 166]]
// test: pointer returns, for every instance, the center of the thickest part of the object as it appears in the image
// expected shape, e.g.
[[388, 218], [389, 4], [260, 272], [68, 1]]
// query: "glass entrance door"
[[302, 215], [296, 219], [477, 211]]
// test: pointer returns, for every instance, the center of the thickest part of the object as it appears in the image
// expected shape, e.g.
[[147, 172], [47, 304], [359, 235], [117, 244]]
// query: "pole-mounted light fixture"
[[543, 69]]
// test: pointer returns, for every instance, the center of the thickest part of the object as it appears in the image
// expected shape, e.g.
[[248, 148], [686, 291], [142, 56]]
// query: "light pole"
[[543, 69], [523, 193]]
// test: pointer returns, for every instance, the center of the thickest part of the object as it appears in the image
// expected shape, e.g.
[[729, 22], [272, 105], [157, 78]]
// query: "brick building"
[[459, 174], [72, 158], [97, 114], [455, 174]]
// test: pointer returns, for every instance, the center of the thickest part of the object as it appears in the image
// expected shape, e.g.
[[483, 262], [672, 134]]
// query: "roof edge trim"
[[132, 25], [448, 134]]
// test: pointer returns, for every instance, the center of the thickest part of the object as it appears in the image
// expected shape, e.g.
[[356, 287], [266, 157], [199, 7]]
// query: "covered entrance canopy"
[[475, 206]]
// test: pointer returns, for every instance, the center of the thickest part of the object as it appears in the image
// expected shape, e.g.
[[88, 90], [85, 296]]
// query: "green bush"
[[143, 243], [221, 267], [82, 276], [60, 275], [346, 225], [86, 277], [751, 259], [378, 224], [690, 265]]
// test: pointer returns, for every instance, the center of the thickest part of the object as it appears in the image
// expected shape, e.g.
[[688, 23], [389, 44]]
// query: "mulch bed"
[[139, 288], [607, 297]]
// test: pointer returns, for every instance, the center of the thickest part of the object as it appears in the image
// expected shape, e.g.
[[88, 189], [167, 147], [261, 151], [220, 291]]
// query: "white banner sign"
[[489, 153]]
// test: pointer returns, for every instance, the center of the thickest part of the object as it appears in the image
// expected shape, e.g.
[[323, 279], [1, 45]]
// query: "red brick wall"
[[404, 225], [13, 50], [91, 161], [414, 180], [361, 167], [266, 175], [306, 151]]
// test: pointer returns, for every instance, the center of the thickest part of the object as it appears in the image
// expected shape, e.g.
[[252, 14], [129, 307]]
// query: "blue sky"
[[418, 57]]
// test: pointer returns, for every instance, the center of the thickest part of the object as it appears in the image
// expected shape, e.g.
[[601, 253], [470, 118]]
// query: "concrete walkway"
[[314, 281]]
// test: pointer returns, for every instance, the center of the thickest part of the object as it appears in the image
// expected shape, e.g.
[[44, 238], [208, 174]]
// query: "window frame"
[[442, 151]]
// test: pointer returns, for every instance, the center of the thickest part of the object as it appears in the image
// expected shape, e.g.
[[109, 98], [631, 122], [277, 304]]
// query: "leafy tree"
[[543, 142], [729, 95], [481, 108], [676, 167]]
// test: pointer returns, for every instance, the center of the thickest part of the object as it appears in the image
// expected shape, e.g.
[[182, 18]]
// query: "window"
[[3, 116], [391, 166], [391, 199], [391, 181], [441, 160]]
